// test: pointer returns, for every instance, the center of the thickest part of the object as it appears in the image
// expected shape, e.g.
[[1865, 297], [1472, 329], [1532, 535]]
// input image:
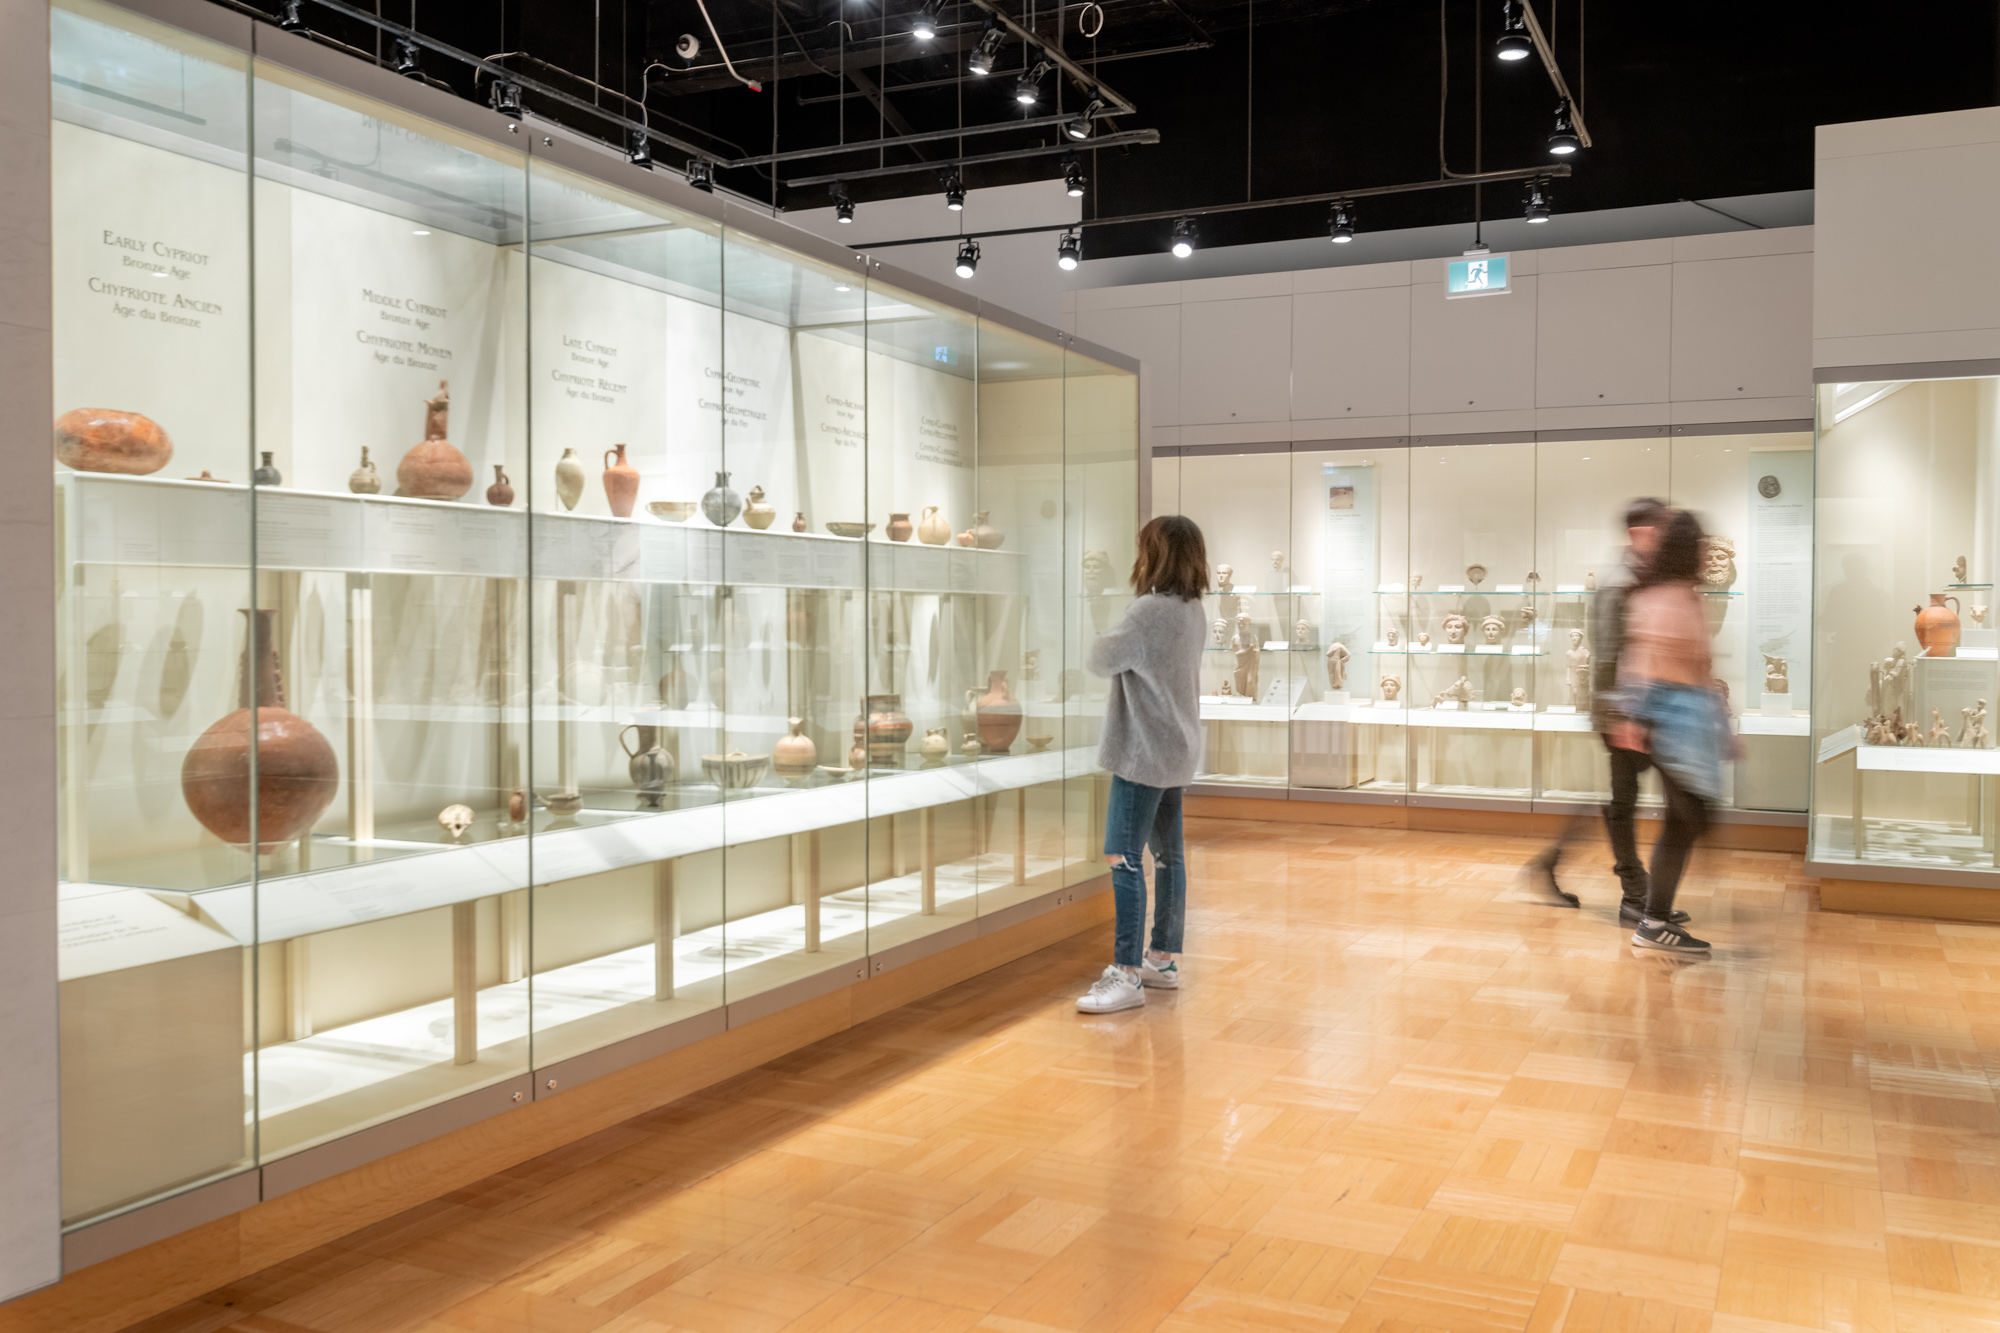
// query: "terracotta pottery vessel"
[[965, 538], [932, 530], [984, 535], [569, 479], [103, 439], [652, 768], [365, 480], [999, 714], [297, 773], [758, 514], [267, 475], [886, 727], [501, 493], [899, 529], [799, 524], [435, 469], [517, 806], [621, 482], [1937, 626], [795, 755], [936, 745]]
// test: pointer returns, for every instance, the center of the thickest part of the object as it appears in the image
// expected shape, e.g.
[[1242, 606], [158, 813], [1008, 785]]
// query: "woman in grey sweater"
[[1152, 739]]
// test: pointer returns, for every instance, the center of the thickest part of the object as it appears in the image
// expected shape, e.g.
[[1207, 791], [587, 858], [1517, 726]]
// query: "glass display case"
[[1408, 621], [506, 617], [1906, 662]]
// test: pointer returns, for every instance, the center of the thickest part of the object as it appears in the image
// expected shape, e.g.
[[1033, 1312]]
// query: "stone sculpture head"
[[1493, 627], [1718, 561], [1225, 576], [1455, 626], [1391, 687], [1096, 571], [1576, 638]]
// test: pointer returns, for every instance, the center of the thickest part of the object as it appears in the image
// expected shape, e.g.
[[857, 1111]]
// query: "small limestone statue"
[[1590, 583], [1416, 582], [1493, 627], [1225, 579], [1576, 672], [1391, 687], [1031, 664], [1519, 698], [1302, 634], [1423, 639], [1460, 689], [1247, 650], [1336, 665], [1978, 614], [1718, 562], [1221, 633], [1776, 677], [1455, 626], [1973, 733], [1277, 560], [1393, 635], [1940, 733], [1958, 570]]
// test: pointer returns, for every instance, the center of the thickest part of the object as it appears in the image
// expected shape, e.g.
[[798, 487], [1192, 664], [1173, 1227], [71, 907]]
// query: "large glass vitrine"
[[1906, 661], [507, 618], [1409, 620]]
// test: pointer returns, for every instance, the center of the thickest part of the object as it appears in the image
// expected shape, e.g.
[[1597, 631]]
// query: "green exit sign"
[[1476, 275]]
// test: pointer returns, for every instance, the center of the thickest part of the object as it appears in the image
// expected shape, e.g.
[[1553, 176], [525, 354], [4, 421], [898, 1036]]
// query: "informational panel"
[[1350, 560], [1780, 564]]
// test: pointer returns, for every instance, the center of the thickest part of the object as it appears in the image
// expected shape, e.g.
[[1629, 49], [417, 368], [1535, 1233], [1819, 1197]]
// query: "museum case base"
[[1944, 902], [121, 1271], [1738, 831]]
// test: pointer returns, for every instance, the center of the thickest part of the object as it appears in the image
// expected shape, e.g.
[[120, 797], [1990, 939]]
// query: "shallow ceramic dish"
[[562, 803], [673, 511], [735, 769], [1037, 744], [850, 529]]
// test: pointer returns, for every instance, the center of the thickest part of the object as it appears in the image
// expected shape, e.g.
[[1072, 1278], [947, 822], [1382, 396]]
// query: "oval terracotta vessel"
[[435, 469], [621, 482], [501, 493], [569, 479], [933, 530], [999, 714], [297, 773], [795, 755], [651, 767], [103, 439], [1937, 626], [365, 480], [887, 728], [984, 535], [899, 529]]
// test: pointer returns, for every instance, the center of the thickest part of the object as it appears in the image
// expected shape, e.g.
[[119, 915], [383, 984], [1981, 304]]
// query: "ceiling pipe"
[[1161, 215], [1011, 154]]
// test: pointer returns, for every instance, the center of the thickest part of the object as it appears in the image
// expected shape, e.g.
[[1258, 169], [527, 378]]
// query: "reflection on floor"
[[1390, 1096], [756, 952]]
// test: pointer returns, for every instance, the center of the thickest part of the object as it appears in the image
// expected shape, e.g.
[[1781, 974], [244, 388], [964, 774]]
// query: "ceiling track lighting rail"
[[1525, 174], [623, 126], [1039, 150], [1548, 55], [1083, 78], [920, 84]]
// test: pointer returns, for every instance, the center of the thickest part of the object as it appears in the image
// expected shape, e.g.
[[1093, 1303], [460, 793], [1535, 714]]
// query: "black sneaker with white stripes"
[[1667, 939], [1629, 915]]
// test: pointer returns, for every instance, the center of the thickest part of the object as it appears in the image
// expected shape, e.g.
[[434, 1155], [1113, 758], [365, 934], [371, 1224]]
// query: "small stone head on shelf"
[[1493, 627], [1455, 626], [1391, 687]]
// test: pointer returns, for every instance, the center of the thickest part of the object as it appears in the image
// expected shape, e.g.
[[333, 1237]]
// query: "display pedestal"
[[1776, 705], [1333, 697]]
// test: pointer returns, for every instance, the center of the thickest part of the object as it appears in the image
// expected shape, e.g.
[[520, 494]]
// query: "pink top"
[[1666, 637]]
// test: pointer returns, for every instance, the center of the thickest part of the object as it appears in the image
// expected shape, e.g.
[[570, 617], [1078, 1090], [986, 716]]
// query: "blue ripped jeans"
[[1139, 817]]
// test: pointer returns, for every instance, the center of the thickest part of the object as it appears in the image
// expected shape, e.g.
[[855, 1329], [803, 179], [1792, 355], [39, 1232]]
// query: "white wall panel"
[[1602, 335], [1743, 328], [1475, 354], [1236, 361], [1351, 353], [1152, 333]]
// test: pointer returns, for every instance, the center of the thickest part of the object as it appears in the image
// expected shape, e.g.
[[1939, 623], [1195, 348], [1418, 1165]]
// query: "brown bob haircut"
[[1173, 559]]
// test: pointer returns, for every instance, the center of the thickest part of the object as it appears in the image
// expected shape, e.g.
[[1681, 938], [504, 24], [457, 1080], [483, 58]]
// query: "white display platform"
[[1755, 724], [154, 521], [1476, 720], [281, 908], [1924, 759], [1215, 709]]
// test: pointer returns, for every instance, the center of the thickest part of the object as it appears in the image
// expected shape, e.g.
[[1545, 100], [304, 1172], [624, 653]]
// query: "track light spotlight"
[[1563, 141], [1340, 227], [506, 98], [954, 191], [406, 59], [843, 203], [924, 26], [701, 175], [1073, 177], [987, 52], [1027, 88], [288, 16], [968, 258], [1514, 43], [1536, 206], [1183, 238], [1080, 126], [640, 154], [1069, 251]]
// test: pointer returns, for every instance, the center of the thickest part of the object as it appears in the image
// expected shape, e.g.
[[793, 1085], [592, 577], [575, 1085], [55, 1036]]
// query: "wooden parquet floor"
[[1390, 1096]]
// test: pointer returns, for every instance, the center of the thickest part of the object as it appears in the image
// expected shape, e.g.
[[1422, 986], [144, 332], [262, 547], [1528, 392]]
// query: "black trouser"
[[1626, 766], [1687, 817]]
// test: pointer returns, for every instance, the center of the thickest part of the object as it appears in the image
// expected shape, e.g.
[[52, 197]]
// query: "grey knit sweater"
[[1152, 725]]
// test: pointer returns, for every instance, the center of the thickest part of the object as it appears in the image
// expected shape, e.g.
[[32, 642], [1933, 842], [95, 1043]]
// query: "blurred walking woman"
[[1666, 678], [1152, 738]]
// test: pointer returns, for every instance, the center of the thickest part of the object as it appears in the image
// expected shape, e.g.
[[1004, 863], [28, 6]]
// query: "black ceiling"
[[1255, 98]]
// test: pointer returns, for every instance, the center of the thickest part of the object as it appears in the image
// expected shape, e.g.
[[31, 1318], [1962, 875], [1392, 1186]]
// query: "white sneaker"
[[1160, 976], [1116, 989]]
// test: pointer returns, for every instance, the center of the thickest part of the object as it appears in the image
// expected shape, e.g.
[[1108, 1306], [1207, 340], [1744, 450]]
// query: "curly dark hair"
[[1677, 559]]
